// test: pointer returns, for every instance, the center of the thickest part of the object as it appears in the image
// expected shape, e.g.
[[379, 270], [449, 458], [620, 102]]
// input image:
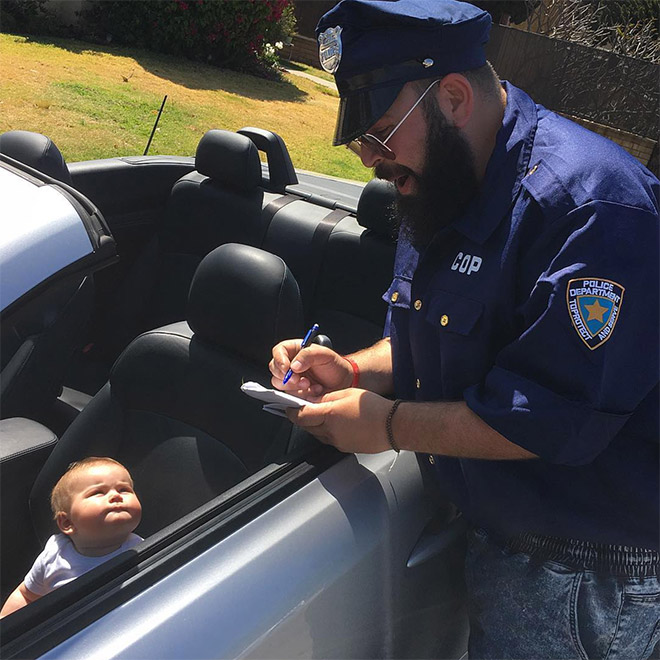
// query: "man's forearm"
[[445, 428], [375, 364], [451, 429]]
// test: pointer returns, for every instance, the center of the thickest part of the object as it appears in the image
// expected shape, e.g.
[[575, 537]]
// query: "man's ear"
[[64, 523], [457, 99]]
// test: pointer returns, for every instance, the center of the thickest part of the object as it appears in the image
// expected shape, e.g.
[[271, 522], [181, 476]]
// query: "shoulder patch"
[[594, 305]]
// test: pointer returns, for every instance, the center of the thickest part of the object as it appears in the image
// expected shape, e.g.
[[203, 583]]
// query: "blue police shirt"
[[539, 308]]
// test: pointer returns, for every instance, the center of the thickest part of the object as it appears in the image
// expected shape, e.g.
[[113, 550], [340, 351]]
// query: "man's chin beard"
[[444, 188]]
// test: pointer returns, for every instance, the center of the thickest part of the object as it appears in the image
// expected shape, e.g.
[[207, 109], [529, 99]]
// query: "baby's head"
[[95, 505]]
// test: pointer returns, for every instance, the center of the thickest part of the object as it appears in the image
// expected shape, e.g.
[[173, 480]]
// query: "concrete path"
[[309, 76]]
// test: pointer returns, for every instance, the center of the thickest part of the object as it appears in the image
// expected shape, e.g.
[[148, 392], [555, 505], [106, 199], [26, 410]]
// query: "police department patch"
[[594, 306], [330, 48]]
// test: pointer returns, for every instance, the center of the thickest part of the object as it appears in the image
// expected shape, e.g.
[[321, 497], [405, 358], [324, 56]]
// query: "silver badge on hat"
[[330, 48]]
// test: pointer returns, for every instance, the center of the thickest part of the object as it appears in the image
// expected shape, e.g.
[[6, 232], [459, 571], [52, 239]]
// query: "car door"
[[327, 557]]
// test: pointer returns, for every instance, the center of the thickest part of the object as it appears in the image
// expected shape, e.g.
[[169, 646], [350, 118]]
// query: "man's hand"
[[351, 420], [316, 369]]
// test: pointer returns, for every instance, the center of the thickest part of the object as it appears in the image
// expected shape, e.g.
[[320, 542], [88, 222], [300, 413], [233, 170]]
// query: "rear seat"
[[342, 265], [201, 214], [356, 270], [296, 235]]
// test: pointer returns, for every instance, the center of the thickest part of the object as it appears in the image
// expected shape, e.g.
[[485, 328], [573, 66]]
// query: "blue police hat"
[[374, 47]]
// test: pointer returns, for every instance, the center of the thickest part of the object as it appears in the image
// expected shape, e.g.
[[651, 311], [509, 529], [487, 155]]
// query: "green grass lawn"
[[319, 73], [102, 101]]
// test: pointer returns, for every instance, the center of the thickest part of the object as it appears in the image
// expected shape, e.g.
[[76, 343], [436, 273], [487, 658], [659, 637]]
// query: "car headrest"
[[244, 300], [37, 151], [375, 207], [230, 159]]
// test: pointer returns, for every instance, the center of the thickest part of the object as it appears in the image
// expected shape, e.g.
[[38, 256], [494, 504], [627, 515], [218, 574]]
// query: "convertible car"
[[137, 295]]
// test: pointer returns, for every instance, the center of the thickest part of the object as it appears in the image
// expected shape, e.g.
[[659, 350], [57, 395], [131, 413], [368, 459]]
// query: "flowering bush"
[[236, 34]]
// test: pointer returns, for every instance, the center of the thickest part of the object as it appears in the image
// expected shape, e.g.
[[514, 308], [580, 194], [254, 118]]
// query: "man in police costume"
[[522, 335]]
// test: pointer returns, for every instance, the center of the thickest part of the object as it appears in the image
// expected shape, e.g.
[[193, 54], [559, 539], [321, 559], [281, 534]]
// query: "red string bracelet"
[[356, 371]]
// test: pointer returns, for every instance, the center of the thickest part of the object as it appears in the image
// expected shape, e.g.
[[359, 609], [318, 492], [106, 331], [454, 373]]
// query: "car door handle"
[[434, 541]]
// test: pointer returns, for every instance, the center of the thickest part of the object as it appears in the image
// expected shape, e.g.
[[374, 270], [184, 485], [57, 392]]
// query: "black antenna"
[[151, 137]]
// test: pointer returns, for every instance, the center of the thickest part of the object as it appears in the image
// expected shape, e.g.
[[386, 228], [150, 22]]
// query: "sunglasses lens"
[[355, 147], [372, 143], [376, 145]]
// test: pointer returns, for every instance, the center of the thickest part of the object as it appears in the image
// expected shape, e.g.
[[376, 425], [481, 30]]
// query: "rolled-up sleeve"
[[580, 366]]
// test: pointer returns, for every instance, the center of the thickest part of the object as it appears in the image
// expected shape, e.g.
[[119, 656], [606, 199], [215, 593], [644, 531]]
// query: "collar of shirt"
[[506, 168]]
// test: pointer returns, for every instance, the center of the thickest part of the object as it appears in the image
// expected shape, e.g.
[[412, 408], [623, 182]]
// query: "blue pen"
[[309, 338]]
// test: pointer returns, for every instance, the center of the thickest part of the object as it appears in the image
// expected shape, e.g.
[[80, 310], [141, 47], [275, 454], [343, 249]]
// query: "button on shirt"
[[539, 308]]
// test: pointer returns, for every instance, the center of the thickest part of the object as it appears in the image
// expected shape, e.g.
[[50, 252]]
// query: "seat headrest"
[[37, 151], [244, 300], [375, 207], [230, 159]]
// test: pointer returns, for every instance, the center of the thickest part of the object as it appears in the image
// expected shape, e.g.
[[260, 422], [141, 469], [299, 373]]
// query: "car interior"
[[218, 258]]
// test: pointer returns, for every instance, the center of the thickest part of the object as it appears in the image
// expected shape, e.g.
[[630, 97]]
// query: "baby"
[[96, 511]]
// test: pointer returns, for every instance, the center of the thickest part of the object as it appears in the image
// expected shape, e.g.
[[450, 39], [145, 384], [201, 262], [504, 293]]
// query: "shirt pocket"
[[453, 313], [398, 294]]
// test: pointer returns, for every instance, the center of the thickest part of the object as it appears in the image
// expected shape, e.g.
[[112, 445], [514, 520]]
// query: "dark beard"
[[445, 186]]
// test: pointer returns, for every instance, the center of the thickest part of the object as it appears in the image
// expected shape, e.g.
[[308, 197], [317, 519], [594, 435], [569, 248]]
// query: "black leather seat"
[[201, 214], [356, 271], [39, 338], [172, 411], [37, 151]]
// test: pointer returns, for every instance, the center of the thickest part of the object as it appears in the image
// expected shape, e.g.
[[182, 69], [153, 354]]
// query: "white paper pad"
[[275, 400]]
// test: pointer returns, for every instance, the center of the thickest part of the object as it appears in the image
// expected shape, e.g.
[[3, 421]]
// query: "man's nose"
[[369, 156]]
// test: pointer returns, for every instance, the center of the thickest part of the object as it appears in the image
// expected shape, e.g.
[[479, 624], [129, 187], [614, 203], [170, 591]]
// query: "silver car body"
[[345, 557], [48, 234]]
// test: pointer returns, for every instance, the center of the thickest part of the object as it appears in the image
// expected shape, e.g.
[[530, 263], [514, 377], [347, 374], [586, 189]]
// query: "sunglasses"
[[380, 146]]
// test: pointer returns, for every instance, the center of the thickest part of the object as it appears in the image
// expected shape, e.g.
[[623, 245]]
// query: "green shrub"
[[238, 34], [24, 16]]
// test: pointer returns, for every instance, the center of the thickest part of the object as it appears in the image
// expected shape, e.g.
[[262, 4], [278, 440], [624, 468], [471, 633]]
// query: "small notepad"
[[275, 401]]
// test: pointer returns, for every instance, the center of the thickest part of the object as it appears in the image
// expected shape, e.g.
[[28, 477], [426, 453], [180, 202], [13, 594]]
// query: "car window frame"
[[41, 626]]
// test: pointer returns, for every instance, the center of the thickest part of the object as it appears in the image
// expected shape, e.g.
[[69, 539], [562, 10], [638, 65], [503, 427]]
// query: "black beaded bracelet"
[[388, 425]]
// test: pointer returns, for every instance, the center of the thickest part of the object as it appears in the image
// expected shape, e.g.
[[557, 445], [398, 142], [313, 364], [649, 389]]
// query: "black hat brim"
[[361, 110]]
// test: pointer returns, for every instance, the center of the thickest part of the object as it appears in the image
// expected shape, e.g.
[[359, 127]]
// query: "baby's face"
[[104, 508]]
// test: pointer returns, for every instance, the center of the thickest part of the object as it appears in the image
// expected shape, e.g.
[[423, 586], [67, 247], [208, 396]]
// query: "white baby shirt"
[[60, 562]]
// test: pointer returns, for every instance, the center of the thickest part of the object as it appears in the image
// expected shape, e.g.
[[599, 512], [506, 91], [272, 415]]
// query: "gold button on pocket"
[[395, 296], [418, 305], [431, 460], [417, 384], [452, 315]]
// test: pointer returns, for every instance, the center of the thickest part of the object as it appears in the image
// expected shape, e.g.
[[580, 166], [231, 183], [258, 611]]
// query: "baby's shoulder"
[[56, 544]]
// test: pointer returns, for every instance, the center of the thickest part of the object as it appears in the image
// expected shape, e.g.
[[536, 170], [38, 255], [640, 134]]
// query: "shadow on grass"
[[187, 73]]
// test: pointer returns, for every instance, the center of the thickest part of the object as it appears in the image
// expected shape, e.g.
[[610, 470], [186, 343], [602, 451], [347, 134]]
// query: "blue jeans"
[[523, 608]]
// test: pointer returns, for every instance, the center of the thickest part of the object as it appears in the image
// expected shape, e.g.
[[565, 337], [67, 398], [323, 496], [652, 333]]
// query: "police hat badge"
[[330, 49]]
